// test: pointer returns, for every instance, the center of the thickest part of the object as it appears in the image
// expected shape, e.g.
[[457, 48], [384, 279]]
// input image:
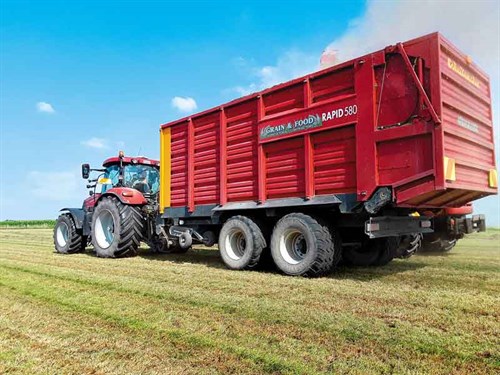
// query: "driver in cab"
[[141, 183]]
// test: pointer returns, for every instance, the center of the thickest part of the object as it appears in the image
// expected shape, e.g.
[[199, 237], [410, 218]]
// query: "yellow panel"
[[165, 167], [493, 178], [449, 169]]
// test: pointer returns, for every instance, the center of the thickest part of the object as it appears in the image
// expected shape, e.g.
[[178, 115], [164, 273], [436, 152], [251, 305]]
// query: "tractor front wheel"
[[67, 238], [117, 229]]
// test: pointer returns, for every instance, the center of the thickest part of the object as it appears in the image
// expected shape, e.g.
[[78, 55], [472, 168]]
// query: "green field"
[[27, 224], [187, 314]]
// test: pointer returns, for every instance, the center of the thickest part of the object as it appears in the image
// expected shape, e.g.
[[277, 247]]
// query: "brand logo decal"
[[311, 121], [453, 65], [464, 123]]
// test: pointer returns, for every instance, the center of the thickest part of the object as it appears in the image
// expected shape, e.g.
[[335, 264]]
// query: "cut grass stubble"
[[187, 314]]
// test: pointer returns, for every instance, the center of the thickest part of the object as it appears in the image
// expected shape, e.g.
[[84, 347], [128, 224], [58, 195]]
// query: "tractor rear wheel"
[[67, 238], [117, 229], [302, 245]]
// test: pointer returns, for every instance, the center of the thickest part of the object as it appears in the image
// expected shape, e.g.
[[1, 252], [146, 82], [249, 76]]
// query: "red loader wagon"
[[353, 160], [363, 162]]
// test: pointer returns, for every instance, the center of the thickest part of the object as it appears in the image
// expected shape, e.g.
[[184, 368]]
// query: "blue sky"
[[82, 79]]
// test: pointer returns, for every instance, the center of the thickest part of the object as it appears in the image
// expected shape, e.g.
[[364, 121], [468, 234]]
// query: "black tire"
[[178, 249], [209, 238], [447, 245], [160, 246], [241, 243], [372, 252], [67, 238], [409, 245], [439, 245], [388, 250], [304, 246], [362, 256], [117, 229]]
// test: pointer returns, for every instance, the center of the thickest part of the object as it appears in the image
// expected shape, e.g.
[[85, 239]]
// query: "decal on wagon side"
[[462, 72], [310, 121], [464, 123]]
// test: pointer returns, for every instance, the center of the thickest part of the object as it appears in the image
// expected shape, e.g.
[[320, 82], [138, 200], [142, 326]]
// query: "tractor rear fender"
[[77, 214], [125, 195]]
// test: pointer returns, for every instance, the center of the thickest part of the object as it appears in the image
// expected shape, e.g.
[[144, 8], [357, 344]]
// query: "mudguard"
[[126, 195], [77, 214]]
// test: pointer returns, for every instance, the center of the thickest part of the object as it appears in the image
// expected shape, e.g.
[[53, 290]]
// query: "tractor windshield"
[[144, 178]]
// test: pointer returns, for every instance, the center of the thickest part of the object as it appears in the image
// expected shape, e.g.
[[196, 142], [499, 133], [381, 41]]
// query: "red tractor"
[[122, 210]]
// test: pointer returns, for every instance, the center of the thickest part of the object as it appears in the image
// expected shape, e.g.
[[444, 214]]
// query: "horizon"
[[82, 80]]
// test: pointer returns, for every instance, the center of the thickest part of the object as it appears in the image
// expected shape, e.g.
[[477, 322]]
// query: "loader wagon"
[[351, 162]]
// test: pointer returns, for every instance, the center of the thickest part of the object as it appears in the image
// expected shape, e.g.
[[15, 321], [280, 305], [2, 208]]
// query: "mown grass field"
[[187, 314]]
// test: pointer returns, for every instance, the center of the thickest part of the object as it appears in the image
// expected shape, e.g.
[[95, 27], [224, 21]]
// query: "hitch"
[[185, 235]]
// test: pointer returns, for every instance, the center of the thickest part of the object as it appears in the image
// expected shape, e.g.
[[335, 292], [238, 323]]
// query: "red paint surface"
[[404, 123], [90, 202], [131, 197], [459, 211], [131, 160]]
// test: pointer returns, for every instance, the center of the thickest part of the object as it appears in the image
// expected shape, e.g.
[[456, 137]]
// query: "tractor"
[[121, 211]]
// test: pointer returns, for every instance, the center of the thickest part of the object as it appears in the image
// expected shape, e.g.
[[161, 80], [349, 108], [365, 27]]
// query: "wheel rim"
[[235, 244], [293, 246], [62, 234], [104, 229]]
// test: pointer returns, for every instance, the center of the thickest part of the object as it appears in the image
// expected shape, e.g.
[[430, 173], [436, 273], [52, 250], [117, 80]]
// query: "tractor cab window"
[[144, 178], [110, 178]]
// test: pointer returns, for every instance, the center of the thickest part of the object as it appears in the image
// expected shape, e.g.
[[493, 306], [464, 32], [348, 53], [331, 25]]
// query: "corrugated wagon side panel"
[[241, 152], [206, 150], [467, 120], [285, 169], [179, 172], [334, 160]]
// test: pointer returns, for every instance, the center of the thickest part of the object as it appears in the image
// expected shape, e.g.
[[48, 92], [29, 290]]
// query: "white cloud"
[[184, 104], [54, 186], [45, 107], [94, 142], [473, 26], [291, 64]]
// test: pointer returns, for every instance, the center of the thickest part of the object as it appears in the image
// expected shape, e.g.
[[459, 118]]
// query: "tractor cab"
[[138, 173], [141, 174]]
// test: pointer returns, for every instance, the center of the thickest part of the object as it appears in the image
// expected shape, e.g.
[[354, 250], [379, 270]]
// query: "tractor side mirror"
[[91, 192], [85, 171]]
